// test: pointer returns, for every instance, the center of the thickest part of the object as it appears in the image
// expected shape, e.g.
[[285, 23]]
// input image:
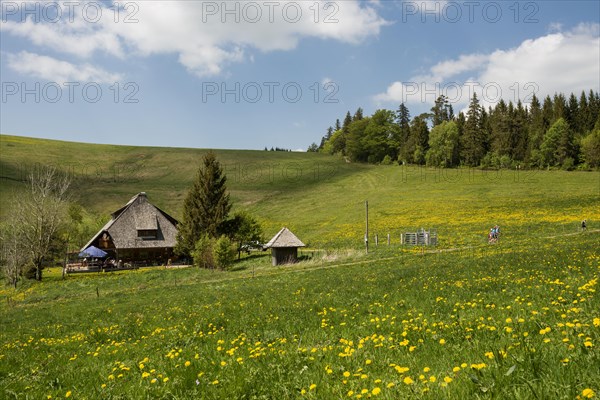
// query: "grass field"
[[505, 321], [519, 319]]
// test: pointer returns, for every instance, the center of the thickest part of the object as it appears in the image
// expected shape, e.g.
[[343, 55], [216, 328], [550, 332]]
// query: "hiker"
[[584, 225]]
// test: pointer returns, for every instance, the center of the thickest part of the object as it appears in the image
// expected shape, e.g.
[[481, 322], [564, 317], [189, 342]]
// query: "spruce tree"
[[473, 146], [206, 205], [403, 121]]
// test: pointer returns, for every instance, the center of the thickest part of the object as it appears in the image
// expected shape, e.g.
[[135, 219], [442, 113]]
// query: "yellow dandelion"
[[376, 391], [68, 394], [187, 363], [312, 387], [447, 379], [588, 393], [408, 381]]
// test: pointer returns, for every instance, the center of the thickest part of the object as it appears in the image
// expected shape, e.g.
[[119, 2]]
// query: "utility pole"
[[367, 226]]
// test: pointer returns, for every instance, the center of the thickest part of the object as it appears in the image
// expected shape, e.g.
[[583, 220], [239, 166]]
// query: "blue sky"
[[187, 74]]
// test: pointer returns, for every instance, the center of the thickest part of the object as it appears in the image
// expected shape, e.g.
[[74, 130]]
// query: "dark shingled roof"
[[284, 238], [139, 214]]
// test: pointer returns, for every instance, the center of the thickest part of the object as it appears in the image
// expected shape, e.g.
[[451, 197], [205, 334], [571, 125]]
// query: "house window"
[[147, 233]]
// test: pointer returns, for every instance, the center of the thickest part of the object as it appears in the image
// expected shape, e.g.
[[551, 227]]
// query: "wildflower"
[[447, 379], [154, 380], [408, 381], [312, 386], [455, 369], [350, 393], [346, 374], [376, 391], [166, 380], [588, 393], [390, 385], [432, 379], [145, 375], [187, 363], [426, 369], [442, 341], [368, 362], [68, 394]]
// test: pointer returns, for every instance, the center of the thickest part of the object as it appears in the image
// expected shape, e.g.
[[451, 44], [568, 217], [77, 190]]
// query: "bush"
[[224, 253], [387, 160], [568, 164], [203, 252]]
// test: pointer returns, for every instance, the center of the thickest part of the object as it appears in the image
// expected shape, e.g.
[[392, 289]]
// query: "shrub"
[[387, 160], [223, 252], [203, 252]]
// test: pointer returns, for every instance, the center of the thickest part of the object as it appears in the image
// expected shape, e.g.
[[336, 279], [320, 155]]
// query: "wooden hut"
[[139, 233], [284, 247]]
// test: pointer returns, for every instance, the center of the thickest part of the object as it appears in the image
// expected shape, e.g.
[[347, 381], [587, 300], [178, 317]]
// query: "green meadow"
[[518, 319]]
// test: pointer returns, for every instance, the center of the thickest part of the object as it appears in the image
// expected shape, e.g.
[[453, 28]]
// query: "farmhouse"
[[139, 233], [284, 247]]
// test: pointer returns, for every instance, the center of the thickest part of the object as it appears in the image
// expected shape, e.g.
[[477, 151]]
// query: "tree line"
[[556, 132]]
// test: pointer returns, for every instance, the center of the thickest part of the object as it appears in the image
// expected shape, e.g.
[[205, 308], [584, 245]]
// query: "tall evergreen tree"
[[441, 111], [347, 121], [206, 205], [358, 115], [473, 146], [536, 132], [520, 133], [559, 106], [584, 122], [329, 133], [571, 114], [403, 121], [338, 125]]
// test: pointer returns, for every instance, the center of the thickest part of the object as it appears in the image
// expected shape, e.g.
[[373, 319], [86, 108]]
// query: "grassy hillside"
[[514, 320], [319, 197]]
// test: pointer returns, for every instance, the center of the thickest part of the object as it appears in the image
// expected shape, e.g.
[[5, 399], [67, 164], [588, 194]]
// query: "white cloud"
[[203, 35], [51, 69], [559, 62]]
